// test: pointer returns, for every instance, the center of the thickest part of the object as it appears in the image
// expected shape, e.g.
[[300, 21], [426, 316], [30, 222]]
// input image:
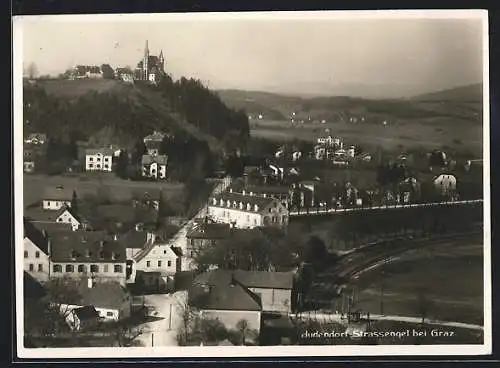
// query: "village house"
[[80, 318], [247, 211], [156, 266], [124, 74], [153, 148], [204, 234], [445, 184], [156, 136], [79, 254], [99, 159], [147, 196], [233, 295], [54, 198], [28, 166], [36, 252], [330, 141], [154, 166], [110, 300], [36, 138]]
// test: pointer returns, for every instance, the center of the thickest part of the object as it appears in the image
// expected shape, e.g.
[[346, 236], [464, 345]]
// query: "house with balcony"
[[247, 211], [99, 159]]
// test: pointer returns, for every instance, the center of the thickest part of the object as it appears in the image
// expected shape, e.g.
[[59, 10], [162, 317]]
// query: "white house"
[[446, 184], [67, 216], [154, 166], [330, 141], [156, 266], [156, 136], [36, 138], [111, 301], [54, 198], [99, 159], [247, 211], [36, 252]]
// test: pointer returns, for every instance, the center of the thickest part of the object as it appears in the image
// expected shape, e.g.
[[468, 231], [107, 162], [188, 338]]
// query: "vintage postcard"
[[252, 184]]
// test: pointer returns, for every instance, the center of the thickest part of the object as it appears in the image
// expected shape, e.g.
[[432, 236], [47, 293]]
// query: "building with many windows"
[[247, 211]]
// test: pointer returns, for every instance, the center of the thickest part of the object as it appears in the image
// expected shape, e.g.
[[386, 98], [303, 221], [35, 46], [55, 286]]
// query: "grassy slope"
[[140, 94]]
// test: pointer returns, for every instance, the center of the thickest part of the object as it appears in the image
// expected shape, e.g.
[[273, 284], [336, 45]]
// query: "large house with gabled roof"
[[99, 159], [54, 198], [154, 166], [247, 211]]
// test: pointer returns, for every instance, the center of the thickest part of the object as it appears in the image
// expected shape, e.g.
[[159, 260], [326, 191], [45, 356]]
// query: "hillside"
[[129, 110], [472, 93]]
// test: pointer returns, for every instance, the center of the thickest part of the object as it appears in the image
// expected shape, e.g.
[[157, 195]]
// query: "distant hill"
[[470, 93], [463, 103]]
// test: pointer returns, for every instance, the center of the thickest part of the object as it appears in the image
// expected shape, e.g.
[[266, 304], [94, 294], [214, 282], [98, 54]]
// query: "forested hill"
[[112, 112]]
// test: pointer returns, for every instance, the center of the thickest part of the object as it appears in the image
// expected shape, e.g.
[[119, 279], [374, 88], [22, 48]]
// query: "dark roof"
[[51, 227], [36, 236], [86, 312], [133, 239], [209, 231], [269, 189], [160, 159], [225, 295], [58, 192], [32, 289], [103, 151], [258, 279], [103, 295], [86, 247], [39, 214], [117, 212], [146, 192], [253, 200]]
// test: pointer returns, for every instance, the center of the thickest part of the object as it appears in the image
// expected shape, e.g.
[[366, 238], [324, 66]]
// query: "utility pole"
[[382, 292], [152, 339], [170, 318]]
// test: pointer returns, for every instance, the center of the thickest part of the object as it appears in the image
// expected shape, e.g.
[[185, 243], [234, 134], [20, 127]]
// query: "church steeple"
[[146, 49], [145, 66]]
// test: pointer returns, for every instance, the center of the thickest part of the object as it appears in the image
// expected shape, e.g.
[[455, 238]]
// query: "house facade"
[[156, 266], [36, 251], [154, 166], [55, 198], [445, 184], [83, 254], [247, 211], [100, 159], [67, 216], [28, 166], [279, 192]]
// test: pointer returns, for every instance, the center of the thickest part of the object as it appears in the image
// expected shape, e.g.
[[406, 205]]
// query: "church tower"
[[162, 61], [145, 66]]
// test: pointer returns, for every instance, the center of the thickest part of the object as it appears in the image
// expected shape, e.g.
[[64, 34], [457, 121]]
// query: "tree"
[[139, 150], [107, 71], [314, 250], [32, 71], [122, 165], [242, 327], [188, 317], [437, 158]]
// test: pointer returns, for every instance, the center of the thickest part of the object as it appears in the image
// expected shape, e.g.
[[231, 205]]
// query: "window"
[[106, 166], [118, 268], [98, 159], [106, 159], [98, 166], [37, 254], [32, 267], [40, 267], [94, 268], [91, 165], [106, 268], [109, 314], [70, 268], [81, 268], [91, 159], [169, 263], [148, 263], [57, 268], [25, 254]]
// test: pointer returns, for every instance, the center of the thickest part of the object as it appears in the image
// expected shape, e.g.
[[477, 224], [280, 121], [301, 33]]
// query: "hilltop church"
[[151, 67]]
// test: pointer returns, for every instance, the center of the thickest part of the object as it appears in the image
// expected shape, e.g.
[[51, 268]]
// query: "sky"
[[289, 54]]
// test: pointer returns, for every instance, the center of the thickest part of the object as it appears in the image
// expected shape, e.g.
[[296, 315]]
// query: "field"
[[119, 189], [429, 133], [447, 281]]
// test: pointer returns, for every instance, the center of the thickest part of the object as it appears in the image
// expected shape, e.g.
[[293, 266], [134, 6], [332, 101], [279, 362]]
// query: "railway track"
[[351, 265]]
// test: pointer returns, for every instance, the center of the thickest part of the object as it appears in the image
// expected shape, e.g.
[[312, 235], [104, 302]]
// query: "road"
[[338, 318], [163, 332]]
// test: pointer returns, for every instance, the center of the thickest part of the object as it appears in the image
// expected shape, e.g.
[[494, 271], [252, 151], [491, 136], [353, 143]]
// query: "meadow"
[[118, 189], [430, 133]]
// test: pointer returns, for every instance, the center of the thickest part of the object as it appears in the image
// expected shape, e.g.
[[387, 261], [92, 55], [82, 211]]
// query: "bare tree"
[[188, 319], [243, 328]]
